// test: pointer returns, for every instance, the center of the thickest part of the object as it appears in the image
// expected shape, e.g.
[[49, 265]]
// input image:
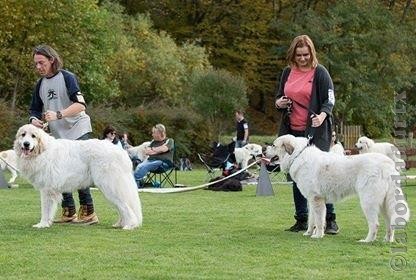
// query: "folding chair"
[[221, 155], [213, 165], [162, 177]]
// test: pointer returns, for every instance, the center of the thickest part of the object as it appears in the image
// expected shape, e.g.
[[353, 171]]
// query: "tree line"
[[191, 63]]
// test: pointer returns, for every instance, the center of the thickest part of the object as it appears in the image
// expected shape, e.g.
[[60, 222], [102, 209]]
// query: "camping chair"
[[217, 161], [162, 176]]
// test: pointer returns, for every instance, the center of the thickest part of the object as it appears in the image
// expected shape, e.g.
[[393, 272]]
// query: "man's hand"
[[50, 116], [37, 123]]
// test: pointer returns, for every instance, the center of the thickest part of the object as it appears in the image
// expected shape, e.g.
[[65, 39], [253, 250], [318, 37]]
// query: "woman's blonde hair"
[[300, 42]]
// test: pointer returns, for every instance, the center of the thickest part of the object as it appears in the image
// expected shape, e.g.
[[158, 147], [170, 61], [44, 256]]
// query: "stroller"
[[220, 158]]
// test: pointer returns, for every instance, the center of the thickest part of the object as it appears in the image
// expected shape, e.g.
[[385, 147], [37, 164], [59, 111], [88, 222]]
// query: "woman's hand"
[[282, 102], [317, 120]]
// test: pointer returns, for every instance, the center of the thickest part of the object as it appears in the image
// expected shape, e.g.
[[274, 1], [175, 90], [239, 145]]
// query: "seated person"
[[336, 146], [110, 134], [160, 152]]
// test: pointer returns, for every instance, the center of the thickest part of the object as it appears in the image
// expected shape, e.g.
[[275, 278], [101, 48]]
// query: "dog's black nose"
[[26, 144]]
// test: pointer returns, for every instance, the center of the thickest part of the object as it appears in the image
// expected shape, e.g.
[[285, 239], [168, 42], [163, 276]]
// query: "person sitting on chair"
[[160, 154]]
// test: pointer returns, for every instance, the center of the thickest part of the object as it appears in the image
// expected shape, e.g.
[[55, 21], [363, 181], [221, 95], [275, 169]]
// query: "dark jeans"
[[301, 204], [84, 195]]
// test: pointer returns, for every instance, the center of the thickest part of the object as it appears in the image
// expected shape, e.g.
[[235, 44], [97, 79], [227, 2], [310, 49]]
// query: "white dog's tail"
[[396, 204]]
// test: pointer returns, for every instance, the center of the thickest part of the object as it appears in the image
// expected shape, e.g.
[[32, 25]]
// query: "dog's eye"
[[33, 136], [23, 134]]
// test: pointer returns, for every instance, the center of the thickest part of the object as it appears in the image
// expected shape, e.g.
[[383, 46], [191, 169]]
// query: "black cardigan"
[[322, 100]]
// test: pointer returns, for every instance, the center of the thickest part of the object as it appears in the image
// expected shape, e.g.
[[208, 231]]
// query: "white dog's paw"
[[41, 225], [307, 233], [116, 225], [364, 241], [129, 227], [315, 235]]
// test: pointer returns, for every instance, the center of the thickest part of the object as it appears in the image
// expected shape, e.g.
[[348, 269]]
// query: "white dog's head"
[[364, 144], [139, 151], [254, 149], [283, 147], [30, 141]]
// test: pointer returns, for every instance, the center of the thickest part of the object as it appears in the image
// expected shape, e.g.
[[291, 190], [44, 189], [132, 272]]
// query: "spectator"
[[242, 129], [110, 134], [160, 152], [125, 142], [58, 100]]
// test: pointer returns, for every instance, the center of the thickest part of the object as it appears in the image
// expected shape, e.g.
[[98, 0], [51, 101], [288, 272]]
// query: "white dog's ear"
[[288, 148]]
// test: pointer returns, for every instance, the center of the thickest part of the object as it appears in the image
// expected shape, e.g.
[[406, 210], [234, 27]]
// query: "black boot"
[[331, 224], [300, 225]]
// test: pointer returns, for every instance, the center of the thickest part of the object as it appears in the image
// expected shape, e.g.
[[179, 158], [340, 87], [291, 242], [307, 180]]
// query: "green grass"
[[194, 235]]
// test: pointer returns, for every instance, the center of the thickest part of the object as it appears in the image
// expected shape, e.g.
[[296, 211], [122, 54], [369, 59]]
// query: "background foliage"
[[134, 58]]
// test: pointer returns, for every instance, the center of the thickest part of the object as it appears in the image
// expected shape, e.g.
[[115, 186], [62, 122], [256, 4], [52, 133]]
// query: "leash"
[[10, 165], [187, 189]]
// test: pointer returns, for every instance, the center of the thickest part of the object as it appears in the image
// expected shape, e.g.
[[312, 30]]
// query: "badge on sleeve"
[[331, 96], [80, 98]]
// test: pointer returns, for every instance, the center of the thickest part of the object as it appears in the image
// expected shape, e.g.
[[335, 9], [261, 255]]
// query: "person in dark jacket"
[[305, 95]]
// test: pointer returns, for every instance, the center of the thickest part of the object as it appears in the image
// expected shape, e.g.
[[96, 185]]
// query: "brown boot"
[[86, 215], [69, 215]]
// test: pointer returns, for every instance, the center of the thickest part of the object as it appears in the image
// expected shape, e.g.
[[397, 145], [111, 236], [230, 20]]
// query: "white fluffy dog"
[[324, 177], [367, 145], [10, 157], [338, 149], [244, 154], [54, 166], [139, 151]]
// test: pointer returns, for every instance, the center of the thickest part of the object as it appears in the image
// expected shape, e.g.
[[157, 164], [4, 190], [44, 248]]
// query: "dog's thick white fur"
[[324, 177], [244, 154], [54, 166], [367, 145], [10, 157], [139, 151], [338, 149]]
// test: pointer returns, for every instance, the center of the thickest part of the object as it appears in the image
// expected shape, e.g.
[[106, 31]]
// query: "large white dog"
[[8, 161], [324, 177], [244, 154], [54, 166], [367, 145]]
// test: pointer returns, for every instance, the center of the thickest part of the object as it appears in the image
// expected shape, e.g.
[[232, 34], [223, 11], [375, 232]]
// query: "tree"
[[216, 94]]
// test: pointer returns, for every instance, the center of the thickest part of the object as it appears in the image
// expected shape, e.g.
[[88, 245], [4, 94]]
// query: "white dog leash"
[[10, 165], [187, 189]]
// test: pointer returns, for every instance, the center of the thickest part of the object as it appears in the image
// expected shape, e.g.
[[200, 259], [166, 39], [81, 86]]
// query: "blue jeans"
[[145, 167], [84, 195]]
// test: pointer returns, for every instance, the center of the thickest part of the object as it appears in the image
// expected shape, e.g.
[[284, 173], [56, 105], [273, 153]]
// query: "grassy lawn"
[[195, 235]]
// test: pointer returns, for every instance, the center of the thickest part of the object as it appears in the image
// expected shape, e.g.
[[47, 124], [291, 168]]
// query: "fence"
[[349, 135]]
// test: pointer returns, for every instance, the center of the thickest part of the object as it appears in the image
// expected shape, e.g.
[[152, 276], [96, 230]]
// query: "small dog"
[[10, 157], [244, 154], [367, 145]]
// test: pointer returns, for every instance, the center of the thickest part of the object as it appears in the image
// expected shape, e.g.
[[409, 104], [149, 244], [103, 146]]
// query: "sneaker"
[[331, 227], [298, 226], [84, 218], [69, 215]]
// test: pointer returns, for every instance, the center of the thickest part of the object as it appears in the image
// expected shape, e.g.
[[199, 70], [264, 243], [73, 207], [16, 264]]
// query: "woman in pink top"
[[306, 97]]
